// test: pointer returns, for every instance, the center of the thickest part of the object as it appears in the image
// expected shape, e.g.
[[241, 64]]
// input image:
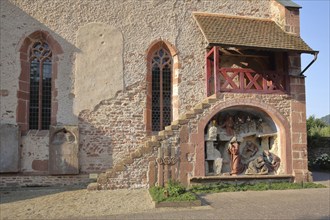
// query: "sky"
[[314, 30]]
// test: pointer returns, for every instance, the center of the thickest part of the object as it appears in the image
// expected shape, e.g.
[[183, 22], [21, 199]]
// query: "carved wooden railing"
[[243, 80]]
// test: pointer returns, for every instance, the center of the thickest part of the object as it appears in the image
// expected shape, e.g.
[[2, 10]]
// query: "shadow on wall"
[[99, 52], [18, 32], [63, 150], [113, 129], [95, 146]]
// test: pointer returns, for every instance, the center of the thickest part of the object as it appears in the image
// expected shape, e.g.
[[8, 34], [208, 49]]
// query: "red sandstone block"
[[296, 138], [296, 117], [297, 89], [24, 86], [40, 165], [184, 177], [298, 106], [304, 137], [299, 138], [299, 147], [300, 97], [184, 134], [299, 171], [23, 56], [21, 111], [24, 128], [297, 80], [23, 95], [186, 149], [299, 127], [25, 71], [152, 173], [25, 45], [296, 155], [301, 176], [300, 164]]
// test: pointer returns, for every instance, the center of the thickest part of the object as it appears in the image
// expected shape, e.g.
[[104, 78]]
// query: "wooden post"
[[216, 68], [241, 80], [208, 70]]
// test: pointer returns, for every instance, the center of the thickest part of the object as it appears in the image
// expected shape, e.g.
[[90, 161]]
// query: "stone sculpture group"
[[248, 159]]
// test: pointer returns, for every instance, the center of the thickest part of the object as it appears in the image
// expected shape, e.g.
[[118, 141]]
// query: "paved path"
[[322, 178], [284, 204]]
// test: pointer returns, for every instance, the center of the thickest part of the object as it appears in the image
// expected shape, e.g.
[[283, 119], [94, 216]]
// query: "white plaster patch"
[[99, 65]]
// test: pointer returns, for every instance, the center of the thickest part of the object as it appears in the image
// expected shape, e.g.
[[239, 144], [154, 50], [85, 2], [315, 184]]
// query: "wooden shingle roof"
[[248, 32]]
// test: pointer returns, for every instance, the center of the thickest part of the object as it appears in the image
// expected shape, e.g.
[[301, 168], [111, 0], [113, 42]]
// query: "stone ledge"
[[240, 179], [178, 204], [29, 180]]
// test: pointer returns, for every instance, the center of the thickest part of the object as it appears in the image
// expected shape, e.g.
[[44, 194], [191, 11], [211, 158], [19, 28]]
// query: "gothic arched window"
[[40, 58], [161, 95]]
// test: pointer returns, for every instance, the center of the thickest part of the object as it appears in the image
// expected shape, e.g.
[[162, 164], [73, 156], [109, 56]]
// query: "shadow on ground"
[[8, 195], [321, 175]]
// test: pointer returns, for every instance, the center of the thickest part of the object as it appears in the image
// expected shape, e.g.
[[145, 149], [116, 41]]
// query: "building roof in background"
[[288, 4], [238, 31]]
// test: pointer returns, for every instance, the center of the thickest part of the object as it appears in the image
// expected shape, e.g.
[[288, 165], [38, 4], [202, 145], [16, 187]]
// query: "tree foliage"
[[317, 128]]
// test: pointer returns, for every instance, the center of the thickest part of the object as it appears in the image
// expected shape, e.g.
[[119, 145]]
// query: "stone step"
[[156, 138], [198, 111], [165, 133], [202, 106], [187, 116], [180, 122], [172, 127], [153, 142], [136, 154]]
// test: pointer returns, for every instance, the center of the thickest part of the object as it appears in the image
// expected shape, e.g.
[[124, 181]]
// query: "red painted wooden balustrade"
[[240, 80]]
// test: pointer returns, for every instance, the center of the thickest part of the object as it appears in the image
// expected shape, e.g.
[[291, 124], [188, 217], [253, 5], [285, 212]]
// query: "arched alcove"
[[269, 130], [255, 132]]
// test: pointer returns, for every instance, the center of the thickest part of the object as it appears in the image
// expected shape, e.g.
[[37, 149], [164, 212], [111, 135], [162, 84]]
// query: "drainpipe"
[[315, 57]]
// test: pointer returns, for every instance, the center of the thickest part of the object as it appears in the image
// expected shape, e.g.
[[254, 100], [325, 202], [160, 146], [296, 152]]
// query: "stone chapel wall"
[[114, 121]]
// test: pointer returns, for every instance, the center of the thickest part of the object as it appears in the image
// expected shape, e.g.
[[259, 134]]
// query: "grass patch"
[[172, 192], [216, 188], [175, 192]]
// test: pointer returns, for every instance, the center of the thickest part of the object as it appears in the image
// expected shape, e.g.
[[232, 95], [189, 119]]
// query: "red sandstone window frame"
[[161, 74], [175, 80], [23, 93]]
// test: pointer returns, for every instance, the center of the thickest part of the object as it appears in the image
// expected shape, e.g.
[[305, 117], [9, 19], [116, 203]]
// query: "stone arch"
[[154, 46], [23, 93], [280, 121]]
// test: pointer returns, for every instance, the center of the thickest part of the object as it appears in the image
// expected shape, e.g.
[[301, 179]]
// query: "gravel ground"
[[59, 204], [55, 203]]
